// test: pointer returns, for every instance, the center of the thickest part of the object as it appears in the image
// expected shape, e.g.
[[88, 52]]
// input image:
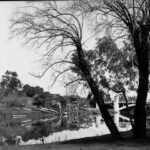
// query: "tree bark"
[[143, 65], [140, 112], [83, 66]]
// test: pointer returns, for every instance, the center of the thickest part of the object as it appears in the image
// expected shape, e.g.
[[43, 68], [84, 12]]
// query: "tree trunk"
[[105, 114], [83, 66], [143, 65], [140, 112]]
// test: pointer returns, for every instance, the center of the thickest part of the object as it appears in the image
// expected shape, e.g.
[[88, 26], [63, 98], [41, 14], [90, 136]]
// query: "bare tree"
[[126, 19], [59, 32]]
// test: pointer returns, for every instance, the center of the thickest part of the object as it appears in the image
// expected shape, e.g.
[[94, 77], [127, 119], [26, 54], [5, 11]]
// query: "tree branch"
[[59, 62], [74, 81]]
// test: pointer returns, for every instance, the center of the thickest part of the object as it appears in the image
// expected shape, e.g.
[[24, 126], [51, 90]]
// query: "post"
[[116, 111]]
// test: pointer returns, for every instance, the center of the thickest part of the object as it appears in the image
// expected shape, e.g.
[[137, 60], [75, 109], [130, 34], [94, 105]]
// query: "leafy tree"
[[31, 91], [37, 92], [115, 74], [48, 26], [41, 98], [28, 90], [10, 82], [40, 130], [125, 19]]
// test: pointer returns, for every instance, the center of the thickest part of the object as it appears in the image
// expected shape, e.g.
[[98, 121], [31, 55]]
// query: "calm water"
[[53, 129]]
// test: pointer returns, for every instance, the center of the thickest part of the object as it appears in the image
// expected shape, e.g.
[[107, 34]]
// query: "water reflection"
[[75, 128], [47, 130]]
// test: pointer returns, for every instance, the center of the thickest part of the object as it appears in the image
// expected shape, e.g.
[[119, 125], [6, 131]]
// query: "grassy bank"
[[92, 143]]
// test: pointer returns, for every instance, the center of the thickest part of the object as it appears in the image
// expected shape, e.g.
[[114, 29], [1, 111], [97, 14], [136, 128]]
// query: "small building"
[[53, 102], [48, 104], [77, 104]]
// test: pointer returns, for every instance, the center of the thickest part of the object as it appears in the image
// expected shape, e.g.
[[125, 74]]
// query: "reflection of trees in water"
[[10, 140], [44, 129], [39, 130]]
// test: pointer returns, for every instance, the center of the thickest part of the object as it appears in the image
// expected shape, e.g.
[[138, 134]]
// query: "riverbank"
[[91, 143]]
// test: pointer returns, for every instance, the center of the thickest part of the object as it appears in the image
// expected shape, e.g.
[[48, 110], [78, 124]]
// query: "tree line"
[[11, 84]]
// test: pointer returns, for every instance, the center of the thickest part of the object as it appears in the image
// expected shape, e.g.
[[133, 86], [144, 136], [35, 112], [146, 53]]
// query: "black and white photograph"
[[74, 75]]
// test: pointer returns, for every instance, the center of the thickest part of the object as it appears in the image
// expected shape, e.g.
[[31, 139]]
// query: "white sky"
[[16, 57]]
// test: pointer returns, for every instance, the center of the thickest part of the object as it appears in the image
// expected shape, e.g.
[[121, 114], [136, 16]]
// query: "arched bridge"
[[118, 106]]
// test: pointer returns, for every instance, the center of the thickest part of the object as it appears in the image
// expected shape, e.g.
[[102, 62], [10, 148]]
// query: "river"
[[26, 131]]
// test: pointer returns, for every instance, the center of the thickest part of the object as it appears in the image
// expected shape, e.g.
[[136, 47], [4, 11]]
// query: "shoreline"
[[104, 142]]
